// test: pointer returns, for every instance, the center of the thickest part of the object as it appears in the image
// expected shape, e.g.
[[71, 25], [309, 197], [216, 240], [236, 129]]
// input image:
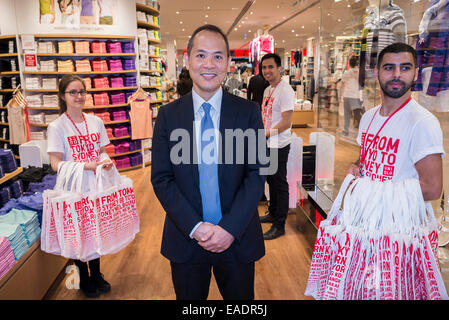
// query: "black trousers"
[[94, 266], [278, 187], [235, 280]]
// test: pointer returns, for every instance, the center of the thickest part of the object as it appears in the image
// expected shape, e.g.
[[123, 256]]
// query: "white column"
[[171, 57]]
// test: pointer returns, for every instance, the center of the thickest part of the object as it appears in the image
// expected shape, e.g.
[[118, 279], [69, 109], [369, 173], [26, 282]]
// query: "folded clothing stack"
[[118, 98], [8, 47], [121, 147], [7, 160], [16, 237], [101, 82], [82, 47], [50, 100], [110, 132], [146, 155], [116, 82], [109, 149], [135, 145], [34, 101], [121, 131], [83, 65], [48, 182], [103, 115], [4, 117], [65, 47], [135, 159], [118, 115], [141, 16], [48, 65], [27, 220], [33, 202], [114, 47], [128, 47], [115, 64], [49, 118], [33, 82], [50, 83], [128, 94], [38, 135], [129, 64], [122, 162], [89, 100], [88, 82], [15, 188], [7, 260], [101, 99], [99, 65], [145, 81], [65, 66], [130, 81], [98, 47], [46, 47], [5, 196], [38, 118]]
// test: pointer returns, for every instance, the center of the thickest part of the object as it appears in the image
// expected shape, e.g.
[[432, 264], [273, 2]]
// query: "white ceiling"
[[179, 18]]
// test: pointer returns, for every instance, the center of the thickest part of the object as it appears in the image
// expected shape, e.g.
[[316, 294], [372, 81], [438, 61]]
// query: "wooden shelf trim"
[[86, 54], [89, 90], [148, 25], [81, 36], [124, 154], [9, 176], [147, 9]]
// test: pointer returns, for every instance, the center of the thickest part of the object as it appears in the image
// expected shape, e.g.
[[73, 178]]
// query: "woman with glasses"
[[80, 137]]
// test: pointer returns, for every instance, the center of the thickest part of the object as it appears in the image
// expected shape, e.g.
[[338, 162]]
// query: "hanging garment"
[[141, 116], [19, 130]]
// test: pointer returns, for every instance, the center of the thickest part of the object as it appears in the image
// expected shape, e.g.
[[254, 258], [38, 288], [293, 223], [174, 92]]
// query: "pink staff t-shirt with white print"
[[409, 136], [64, 138]]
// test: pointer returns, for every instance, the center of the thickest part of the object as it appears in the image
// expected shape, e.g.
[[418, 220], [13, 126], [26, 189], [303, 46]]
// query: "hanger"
[[140, 94]]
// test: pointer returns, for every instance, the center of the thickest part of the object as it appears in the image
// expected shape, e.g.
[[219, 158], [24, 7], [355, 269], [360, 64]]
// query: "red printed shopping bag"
[[116, 210]]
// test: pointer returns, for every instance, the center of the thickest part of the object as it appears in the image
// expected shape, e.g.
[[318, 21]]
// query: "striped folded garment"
[[83, 65], [65, 47], [101, 99], [99, 65], [101, 82], [114, 47], [65, 66], [82, 47], [98, 47], [38, 135]]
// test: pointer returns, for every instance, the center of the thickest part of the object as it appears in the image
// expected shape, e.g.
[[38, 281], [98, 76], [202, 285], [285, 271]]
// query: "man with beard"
[[400, 139]]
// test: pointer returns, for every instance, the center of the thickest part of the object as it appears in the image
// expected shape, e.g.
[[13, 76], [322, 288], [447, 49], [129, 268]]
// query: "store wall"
[[28, 11], [8, 25]]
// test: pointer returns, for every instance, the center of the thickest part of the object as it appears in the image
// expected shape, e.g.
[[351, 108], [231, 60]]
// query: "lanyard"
[[271, 93], [364, 150], [85, 122]]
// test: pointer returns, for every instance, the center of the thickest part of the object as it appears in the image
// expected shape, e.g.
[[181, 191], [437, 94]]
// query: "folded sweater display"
[[16, 237], [83, 65], [7, 260], [27, 220]]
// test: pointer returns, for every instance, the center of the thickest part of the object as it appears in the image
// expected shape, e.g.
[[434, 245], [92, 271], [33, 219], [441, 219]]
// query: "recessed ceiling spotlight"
[[293, 31], [339, 20], [206, 16], [177, 12], [180, 22], [297, 35], [302, 27], [249, 30], [251, 12], [235, 29], [183, 29]]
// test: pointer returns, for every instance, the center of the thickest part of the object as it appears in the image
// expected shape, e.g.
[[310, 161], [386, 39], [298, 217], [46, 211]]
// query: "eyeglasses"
[[74, 93]]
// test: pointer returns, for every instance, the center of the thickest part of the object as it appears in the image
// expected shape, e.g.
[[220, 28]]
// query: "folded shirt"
[[65, 47], [82, 47]]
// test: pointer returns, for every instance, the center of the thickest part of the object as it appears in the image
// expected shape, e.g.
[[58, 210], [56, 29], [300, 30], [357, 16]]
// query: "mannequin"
[[266, 42], [432, 75]]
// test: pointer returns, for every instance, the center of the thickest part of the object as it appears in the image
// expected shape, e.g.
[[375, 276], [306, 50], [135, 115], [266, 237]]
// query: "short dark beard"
[[394, 93]]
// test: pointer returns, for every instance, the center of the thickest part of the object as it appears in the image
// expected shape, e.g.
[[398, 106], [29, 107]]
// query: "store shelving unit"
[[76, 56], [13, 73]]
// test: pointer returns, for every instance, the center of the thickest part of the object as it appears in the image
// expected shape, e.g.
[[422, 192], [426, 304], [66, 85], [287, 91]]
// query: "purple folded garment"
[[135, 145], [7, 160], [130, 81], [122, 162], [128, 47], [118, 98], [129, 64], [136, 159]]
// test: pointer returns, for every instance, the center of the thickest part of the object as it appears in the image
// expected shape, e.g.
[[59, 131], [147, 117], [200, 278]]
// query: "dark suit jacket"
[[177, 186], [256, 88]]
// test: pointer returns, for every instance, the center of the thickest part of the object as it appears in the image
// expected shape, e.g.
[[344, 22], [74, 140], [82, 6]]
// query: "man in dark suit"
[[212, 222], [256, 87]]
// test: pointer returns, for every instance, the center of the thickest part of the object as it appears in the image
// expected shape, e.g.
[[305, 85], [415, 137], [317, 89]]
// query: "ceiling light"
[[297, 35], [249, 30], [183, 29], [180, 22], [235, 29], [302, 27], [177, 12], [337, 0], [339, 20], [283, 41], [208, 8], [293, 31], [251, 12], [349, 6], [206, 16]]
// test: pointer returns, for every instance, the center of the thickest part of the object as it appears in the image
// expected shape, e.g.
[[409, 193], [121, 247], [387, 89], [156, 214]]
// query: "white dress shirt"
[[215, 111]]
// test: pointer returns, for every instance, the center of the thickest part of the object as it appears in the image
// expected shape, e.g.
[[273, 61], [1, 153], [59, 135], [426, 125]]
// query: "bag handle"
[[112, 176], [65, 171]]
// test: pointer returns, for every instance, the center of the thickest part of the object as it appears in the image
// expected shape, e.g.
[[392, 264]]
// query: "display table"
[[32, 276], [303, 118]]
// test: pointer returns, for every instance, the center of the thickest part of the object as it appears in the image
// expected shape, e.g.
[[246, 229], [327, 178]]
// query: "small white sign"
[[28, 42]]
